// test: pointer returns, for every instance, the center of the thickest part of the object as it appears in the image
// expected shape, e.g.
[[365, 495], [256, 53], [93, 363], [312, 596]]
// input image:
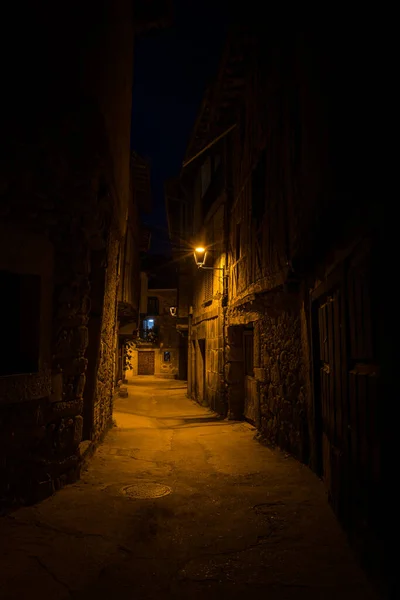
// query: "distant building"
[[156, 349]]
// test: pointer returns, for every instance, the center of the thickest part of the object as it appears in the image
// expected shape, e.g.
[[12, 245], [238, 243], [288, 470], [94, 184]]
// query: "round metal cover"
[[146, 490]]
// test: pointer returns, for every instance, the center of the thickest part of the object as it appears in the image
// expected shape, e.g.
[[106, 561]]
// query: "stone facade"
[[65, 193], [298, 244], [106, 367]]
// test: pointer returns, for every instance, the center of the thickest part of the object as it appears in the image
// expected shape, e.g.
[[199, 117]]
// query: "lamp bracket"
[[212, 268]]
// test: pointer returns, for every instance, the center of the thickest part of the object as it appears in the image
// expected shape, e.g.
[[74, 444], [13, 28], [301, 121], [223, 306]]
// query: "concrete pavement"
[[236, 519]]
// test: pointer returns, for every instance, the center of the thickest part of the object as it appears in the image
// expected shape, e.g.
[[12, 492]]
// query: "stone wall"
[[283, 397], [103, 399], [214, 363], [65, 181], [41, 414], [281, 368]]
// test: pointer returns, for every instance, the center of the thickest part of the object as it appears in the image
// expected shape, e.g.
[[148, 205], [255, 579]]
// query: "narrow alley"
[[178, 503]]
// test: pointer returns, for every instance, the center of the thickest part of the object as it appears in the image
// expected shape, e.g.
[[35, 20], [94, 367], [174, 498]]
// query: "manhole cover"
[[146, 490]]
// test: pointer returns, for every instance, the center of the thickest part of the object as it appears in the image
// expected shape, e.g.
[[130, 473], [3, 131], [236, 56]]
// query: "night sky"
[[171, 69]]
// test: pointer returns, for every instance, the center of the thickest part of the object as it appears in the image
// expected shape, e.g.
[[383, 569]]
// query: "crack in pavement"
[[52, 575], [80, 534], [65, 531]]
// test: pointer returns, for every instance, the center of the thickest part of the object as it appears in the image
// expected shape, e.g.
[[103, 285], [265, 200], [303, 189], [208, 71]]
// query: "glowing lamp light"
[[200, 254]]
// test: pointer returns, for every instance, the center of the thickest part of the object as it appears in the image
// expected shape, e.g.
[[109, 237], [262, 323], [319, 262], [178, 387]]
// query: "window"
[[237, 242], [149, 329], [20, 325], [167, 357], [258, 187], [152, 305]]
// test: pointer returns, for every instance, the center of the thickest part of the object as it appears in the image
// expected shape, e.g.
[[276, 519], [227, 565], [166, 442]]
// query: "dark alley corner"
[[196, 348]]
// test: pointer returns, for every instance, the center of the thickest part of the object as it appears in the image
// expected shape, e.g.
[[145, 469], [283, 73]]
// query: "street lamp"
[[200, 254]]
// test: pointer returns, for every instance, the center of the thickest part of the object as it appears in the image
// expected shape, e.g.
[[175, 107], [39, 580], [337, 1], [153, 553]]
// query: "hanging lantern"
[[200, 254]]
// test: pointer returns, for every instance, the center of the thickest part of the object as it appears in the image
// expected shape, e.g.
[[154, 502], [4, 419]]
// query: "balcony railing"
[[148, 336]]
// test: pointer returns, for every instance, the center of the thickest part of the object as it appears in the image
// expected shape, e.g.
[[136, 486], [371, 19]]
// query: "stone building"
[[64, 206], [286, 323], [156, 349]]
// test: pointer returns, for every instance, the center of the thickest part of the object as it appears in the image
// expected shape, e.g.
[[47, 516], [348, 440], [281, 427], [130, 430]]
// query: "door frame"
[[202, 345], [336, 279]]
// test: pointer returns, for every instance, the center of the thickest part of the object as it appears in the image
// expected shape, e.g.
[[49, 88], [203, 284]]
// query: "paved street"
[[236, 520]]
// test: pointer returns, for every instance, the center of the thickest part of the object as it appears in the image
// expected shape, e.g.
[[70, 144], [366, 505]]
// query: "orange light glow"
[[200, 250]]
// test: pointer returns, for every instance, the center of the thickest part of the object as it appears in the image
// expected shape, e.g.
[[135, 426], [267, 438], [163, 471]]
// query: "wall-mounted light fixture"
[[200, 254], [172, 310], [200, 258]]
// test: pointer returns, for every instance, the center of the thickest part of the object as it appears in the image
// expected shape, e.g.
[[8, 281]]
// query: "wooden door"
[[332, 393], [250, 384], [146, 362], [346, 384], [251, 400], [363, 390]]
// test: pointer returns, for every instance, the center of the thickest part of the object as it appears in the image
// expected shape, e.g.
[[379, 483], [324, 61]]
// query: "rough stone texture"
[[105, 375], [296, 211], [64, 191], [283, 401], [214, 359]]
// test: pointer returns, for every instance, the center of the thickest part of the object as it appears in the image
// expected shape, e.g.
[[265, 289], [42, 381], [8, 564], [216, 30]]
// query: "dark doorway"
[[183, 357], [201, 373], [346, 389], [193, 372], [251, 397], [236, 378]]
